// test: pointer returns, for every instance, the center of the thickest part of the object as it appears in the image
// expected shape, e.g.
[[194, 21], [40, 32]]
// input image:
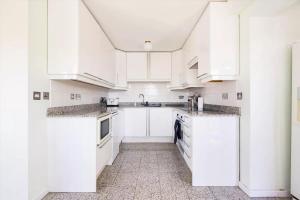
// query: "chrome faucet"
[[143, 98]]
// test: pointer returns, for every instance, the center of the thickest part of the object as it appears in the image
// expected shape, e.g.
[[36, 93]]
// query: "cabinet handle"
[[187, 155], [102, 145], [202, 75], [188, 146]]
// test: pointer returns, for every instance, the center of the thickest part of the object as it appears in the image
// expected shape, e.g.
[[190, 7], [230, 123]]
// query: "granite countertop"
[[205, 113], [97, 110], [86, 110]]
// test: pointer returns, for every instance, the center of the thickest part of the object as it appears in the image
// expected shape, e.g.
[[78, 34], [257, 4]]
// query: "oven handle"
[[100, 146]]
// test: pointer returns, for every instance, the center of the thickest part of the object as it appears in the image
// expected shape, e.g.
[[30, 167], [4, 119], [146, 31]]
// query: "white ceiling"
[[128, 23]]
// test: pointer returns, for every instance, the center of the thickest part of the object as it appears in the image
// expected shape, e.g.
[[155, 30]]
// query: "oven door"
[[103, 130]]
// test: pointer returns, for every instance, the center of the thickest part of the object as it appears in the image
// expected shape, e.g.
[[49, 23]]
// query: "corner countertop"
[[205, 113]]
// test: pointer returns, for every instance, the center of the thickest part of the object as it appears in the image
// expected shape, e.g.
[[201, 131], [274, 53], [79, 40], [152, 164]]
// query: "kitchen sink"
[[147, 104]]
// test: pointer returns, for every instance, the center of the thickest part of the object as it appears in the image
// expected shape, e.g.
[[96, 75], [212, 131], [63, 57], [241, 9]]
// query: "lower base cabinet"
[[135, 122], [74, 160], [148, 124], [72, 153], [160, 122]]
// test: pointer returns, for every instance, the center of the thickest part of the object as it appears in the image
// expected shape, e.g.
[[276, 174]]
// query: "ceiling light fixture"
[[147, 45]]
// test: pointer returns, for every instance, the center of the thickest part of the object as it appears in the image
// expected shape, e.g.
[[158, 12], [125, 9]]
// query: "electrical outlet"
[[72, 96], [78, 96], [36, 95], [46, 95], [225, 96], [239, 96]]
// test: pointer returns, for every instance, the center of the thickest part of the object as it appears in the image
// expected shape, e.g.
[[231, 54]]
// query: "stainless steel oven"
[[104, 130]]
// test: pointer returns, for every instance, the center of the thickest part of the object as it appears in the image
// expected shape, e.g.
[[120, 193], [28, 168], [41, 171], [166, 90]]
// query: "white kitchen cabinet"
[[160, 66], [212, 50], [177, 69], [121, 70], [182, 76], [149, 67], [135, 122], [78, 49], [74, 160], [137, 66], [160, 122], [218, 54]]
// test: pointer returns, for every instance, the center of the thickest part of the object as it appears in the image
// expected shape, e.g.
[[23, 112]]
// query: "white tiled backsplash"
[[213, 92], [61, 93], [153, 92]]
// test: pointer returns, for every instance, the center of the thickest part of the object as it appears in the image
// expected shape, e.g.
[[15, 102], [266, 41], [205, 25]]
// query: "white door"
[[137, 66], [121, 73], [135, 122], [160, 122], [295, 174], [160, 66]]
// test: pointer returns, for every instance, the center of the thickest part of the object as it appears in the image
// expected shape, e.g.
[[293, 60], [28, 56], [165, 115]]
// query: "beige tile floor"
[[150, 171]]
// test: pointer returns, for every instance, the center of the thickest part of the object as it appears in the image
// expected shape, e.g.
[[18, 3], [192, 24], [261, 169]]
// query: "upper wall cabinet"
[[78, 49], [160, 66], [121, 70], [213, 46], [182, 76], [149, 67], [137, 66]]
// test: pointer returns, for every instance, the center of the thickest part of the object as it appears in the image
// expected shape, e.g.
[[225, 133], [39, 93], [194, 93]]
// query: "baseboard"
[[264, 193], [41, 195], [147, 139]]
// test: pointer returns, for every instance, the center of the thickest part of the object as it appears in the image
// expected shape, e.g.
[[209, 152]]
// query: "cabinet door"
[[135, 122], [224, 42], [177, 68], [62, 37], [160, 122], [204, 45], [160, 66], [121, 75], [137, 66], [96, 53]]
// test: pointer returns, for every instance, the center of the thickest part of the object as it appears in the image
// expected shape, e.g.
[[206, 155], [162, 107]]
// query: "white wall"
[[13, 99], [38, 81], [154, 92], [61, 91]]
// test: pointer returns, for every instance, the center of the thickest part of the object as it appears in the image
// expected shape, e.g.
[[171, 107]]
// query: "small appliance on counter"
[[200, 103], [113, 102], [195, 103], [103, 101], [192, 103]]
